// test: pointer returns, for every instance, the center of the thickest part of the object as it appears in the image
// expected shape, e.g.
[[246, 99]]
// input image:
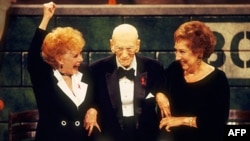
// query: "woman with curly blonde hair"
[[62, 83]]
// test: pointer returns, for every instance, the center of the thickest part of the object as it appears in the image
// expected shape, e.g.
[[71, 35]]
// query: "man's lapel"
[[140, 85], [113, 89]]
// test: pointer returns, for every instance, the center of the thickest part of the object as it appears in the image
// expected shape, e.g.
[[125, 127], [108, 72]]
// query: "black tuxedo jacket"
[[148, 81], [53, 105]]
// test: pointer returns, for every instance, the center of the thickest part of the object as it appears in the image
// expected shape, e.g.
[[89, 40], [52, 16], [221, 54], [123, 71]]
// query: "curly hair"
[[199, 36], [59, 41]]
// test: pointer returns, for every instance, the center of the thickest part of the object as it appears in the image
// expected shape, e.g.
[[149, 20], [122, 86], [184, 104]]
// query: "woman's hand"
[[164, 105], [49, 9], [90, 121], [48, 12], [169, 122]]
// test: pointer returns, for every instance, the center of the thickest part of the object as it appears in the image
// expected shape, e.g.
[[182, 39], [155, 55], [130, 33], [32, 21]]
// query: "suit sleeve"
[[35, 61]]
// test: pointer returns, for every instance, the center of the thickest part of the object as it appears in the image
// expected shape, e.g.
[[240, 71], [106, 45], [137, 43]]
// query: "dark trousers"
[[129, 132], [129, 129]]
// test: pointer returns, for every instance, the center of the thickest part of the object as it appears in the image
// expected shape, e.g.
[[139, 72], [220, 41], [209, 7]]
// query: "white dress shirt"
[[127, 91]]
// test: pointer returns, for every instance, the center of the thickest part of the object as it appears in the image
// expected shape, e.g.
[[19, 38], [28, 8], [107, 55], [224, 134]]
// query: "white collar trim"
[[78, 94]]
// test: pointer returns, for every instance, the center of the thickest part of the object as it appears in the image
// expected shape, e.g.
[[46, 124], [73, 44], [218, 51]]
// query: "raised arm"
[[48, 12], [34, 57]]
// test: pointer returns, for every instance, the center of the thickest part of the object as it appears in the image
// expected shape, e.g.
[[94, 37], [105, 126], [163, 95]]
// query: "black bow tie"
[[128, 73]]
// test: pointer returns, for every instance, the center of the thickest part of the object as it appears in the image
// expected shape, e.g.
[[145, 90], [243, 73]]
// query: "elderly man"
[[126, 84]]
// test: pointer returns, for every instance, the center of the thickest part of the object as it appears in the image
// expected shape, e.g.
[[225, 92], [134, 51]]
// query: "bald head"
[[125, 43], [125, 31]]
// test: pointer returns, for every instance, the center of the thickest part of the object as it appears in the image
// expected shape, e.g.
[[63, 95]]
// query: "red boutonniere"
[[143, 82]]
